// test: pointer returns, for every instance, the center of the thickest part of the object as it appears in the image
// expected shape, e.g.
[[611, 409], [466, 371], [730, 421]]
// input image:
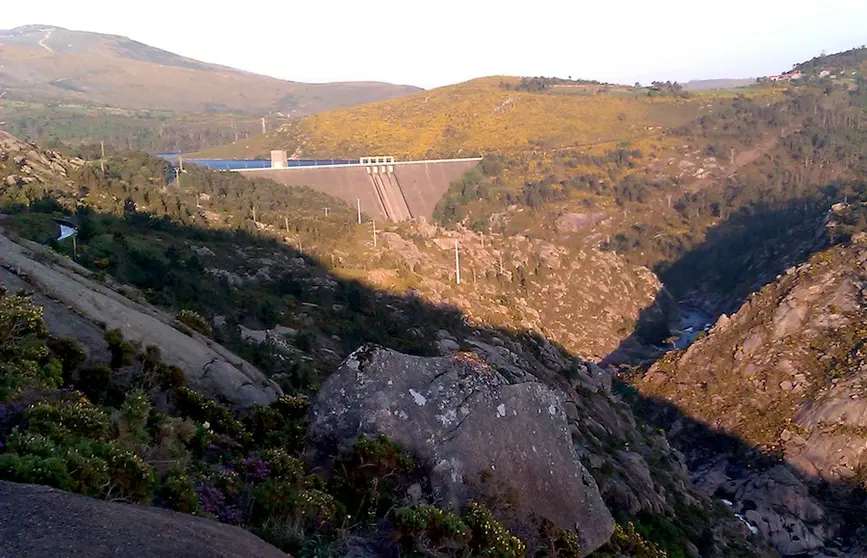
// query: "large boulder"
[[42, 522], [462, 418]]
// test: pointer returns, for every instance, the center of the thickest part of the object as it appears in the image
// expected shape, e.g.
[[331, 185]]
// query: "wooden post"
[[286, 223], [102, 158], [457, 264], [374, 233], [358, 206]]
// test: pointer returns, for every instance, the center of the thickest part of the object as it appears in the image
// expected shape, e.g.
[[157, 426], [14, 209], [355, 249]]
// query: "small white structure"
[[279, 160]]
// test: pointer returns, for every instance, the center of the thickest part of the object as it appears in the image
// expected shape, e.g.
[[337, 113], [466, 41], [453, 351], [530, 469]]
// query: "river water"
[[692, 322]]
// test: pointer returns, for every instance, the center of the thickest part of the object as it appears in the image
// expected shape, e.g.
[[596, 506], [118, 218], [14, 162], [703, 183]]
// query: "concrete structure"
[[279, 159], [385, 188]]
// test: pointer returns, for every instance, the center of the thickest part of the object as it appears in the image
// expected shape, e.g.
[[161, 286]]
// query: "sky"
[[429, 44]]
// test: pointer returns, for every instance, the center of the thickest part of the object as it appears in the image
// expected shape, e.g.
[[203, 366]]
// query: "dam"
[[384, 188]]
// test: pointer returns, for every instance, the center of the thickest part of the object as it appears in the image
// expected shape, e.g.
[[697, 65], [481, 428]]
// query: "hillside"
[[783, 373], [488, 115], [297, 318], [50, 64], [154, 131]]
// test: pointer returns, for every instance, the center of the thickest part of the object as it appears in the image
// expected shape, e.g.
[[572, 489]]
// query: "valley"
[[660, 287]]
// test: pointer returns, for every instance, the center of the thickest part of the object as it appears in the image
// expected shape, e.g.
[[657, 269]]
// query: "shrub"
[[177, 491], [627, 541], [59, 419], [284, 501], [220, 419], [489, 537], [282, 466], [70, 353], [77, 464], [24, 358], [427, 528], [132, 420], [122, 352], [281, 424], [171, 437], [370, 476], [171, 377], [94, 382], [195, 321]]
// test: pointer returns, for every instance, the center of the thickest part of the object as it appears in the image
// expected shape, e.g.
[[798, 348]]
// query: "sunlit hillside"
[[482, 116]]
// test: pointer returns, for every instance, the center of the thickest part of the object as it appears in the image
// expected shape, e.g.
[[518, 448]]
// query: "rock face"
[[41, 522], [209, 368], [462, 417], [787, 373]]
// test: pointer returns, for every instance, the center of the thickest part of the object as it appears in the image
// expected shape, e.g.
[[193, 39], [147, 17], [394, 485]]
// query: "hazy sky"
[[446, 41]]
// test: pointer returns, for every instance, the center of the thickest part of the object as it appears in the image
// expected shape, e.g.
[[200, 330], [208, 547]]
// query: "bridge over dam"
[[385, 189]]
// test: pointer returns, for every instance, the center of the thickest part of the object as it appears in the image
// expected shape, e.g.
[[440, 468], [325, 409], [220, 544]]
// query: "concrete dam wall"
[[395, 191]]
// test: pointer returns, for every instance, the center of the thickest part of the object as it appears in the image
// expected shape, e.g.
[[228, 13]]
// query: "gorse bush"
[[24, 357], [195, 322]]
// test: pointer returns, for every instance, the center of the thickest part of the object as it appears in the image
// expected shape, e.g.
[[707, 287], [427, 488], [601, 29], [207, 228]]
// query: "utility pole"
[[374, 233], [286, 223], [102, 158], [358, 206], [263, 125], [457, 264]]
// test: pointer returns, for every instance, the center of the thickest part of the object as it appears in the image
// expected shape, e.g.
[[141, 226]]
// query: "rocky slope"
[[784, 374], [209, 367], [38, 522]]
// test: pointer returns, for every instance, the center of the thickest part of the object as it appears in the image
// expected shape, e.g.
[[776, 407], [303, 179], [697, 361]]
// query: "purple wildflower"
[[210, 498], [254, 467]]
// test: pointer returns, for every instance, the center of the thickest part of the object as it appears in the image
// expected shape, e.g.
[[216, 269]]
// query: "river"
[[692, 322]]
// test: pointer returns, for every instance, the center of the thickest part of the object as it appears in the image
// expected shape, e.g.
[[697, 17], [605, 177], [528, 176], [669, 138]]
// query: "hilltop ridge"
[[53, 64]]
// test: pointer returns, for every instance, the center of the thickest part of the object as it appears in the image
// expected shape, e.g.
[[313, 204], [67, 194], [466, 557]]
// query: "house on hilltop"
[[786, 76]]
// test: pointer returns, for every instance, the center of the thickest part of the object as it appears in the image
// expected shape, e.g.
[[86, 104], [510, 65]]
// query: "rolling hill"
[[46, 64], [483, 116]]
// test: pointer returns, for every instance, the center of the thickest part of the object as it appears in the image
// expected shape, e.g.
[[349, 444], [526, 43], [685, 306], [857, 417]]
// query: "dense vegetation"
[[477, 117], [146, 130]]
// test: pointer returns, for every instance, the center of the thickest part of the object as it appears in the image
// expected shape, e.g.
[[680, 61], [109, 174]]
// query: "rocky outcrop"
[[41, 522], [462, 418], [585, 299], [632, 465], [22, 163], [787, 374], [210, 368]]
